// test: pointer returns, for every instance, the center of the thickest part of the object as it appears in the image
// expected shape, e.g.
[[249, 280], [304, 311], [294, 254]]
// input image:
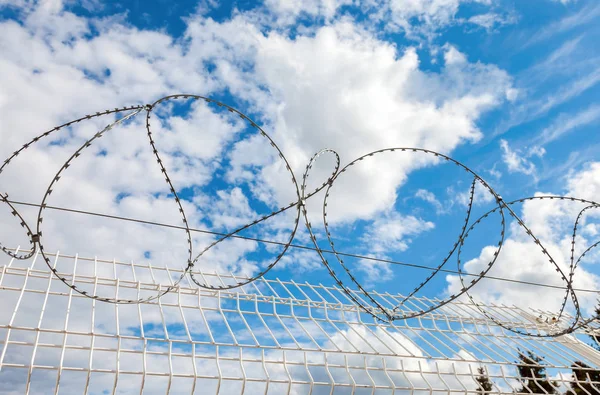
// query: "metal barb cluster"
[[369, 304]]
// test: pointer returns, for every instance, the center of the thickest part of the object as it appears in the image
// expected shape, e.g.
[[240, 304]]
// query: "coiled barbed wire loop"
[[391, 315], [370, 305], [247, 226]]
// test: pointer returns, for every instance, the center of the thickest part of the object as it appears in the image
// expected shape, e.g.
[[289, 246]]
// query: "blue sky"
[[508, 88]]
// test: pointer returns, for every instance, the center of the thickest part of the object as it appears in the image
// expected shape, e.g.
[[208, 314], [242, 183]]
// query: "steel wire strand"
[[304, 247]]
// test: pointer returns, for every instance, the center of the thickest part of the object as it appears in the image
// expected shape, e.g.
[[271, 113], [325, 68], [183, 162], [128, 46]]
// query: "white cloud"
[[491, 20], [562, 53], [429, 11], [494, 172], [290, 10], [481, 196], [232, 210], [300, 261], [13, 3], [518, 161], [426, 17], [374, 272], [454, 56], [347, 90], [417, 19], [389, 232], [586, 184], [368, 97]]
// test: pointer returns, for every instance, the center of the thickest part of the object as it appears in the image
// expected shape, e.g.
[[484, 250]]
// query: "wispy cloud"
[[536, 107], [549, 66], [567, 123], [584, 16], [568, 92], [564, 74]]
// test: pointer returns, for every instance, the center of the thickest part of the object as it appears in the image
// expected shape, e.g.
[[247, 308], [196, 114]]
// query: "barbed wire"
[[369, 303]]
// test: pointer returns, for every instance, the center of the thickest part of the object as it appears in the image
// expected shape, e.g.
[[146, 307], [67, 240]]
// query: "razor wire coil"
[[371, 305]]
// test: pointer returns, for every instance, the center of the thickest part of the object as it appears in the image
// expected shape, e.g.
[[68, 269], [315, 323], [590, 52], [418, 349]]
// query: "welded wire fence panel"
[[269, 336]]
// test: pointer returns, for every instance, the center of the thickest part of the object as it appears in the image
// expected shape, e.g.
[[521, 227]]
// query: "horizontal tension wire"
[[303, 247]]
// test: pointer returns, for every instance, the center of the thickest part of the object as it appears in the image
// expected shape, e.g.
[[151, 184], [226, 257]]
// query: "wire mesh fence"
[[267, 337]]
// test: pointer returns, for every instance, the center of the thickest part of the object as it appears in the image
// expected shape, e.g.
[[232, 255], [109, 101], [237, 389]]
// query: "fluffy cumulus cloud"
[[521, 259], [340, 87], [345, 90]]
